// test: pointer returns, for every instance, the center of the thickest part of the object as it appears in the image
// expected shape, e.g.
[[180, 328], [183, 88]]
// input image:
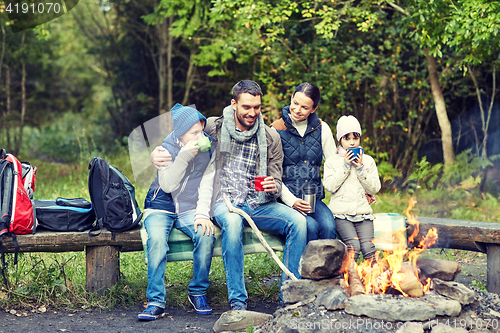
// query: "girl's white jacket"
[[349, 185]]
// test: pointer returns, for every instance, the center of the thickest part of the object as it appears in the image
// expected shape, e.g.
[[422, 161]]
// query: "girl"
[[306, 141], [349, 177]]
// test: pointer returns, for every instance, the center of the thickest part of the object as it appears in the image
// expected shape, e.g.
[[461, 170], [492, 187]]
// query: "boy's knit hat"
[[346, 125], [183, 118]]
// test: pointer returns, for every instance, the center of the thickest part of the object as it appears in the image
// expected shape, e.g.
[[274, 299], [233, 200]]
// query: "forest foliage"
[[85, 80]]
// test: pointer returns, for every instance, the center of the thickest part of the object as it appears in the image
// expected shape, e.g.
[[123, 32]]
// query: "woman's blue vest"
[[302, 155], [185, 197]]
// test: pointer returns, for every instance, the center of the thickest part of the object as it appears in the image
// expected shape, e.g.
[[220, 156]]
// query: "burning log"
[[355, 285], [410, 284]]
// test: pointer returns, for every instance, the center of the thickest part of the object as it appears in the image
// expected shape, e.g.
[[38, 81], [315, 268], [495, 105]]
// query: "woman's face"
[[301, 106], [350, 141]]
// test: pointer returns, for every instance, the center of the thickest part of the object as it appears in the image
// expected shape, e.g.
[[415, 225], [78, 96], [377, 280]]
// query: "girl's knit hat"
[[346, 125], [183, 118]]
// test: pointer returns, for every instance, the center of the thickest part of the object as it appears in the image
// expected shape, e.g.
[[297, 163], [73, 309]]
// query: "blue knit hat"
[[184, 117]]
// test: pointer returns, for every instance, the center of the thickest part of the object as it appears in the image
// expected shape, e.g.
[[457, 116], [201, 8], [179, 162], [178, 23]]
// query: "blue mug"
[[356, 151]]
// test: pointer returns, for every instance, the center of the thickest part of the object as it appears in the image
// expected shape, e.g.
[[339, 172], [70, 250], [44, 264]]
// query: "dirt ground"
[[122, 320]]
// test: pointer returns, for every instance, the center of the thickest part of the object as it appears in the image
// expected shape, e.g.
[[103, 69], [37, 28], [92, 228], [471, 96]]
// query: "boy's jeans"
[[273, 217], [158, 225]]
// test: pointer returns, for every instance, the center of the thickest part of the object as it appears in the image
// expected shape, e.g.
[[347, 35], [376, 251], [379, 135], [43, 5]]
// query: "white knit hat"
[[346, 125]]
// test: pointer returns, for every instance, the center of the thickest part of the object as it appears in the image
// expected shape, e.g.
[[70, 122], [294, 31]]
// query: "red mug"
[[256, 183]]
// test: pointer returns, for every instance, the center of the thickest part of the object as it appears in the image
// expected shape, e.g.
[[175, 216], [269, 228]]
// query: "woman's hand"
[[160, 157], [302, 206]]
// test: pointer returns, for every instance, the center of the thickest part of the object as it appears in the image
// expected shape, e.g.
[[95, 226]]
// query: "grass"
[[58, 279]]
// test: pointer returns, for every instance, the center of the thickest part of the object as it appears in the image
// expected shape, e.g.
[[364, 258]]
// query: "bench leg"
[[493, 264], [103, 267]]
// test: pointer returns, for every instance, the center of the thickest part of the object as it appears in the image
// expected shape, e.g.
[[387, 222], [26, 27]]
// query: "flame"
[[387, 270]]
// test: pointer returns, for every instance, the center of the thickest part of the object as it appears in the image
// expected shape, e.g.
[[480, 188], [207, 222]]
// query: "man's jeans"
[[321, 223], [158, 225], [272, 217]]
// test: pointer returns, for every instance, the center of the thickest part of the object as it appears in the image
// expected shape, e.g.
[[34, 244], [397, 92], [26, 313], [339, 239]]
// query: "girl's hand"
[[349, 156], [357, 162], [302, 206]]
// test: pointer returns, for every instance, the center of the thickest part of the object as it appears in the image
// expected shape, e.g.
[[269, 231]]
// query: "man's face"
[[247, 110]]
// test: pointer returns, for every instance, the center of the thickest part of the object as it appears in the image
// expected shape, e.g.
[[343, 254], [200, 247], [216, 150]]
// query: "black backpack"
[[64, 214], [113, 198]]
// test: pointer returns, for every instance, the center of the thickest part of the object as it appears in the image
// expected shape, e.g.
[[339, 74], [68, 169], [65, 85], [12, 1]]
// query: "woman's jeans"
[[272, 217], [357, 236], [320, 224], [158, 226]]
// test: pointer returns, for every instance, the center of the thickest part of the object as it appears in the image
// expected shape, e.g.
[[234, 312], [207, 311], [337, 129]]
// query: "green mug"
[[204, 144]]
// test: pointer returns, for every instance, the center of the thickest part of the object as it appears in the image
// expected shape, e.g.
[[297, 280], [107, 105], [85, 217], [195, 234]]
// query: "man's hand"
[[269, 185], [159, 157], [302, 206], [207, 226]]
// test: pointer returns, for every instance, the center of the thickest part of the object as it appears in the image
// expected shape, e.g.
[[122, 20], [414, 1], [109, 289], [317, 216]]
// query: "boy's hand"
[[302, 206], [207, 226], [192, 147], [160, 157], [269, 184]]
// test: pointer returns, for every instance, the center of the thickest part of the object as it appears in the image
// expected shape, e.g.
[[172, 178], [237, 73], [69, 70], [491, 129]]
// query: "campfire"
[[394, 272]]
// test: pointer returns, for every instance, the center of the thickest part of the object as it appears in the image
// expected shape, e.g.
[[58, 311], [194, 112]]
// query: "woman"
[[306, 142]]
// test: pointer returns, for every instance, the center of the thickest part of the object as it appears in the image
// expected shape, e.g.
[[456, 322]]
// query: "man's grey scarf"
[[229, 131]]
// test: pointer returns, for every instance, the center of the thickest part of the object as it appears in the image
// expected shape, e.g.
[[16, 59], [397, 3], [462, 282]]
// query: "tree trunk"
[[23, 108], [444, 122], [189, 79], [485, 122], [7, 111], [170, 72], [165, 72]]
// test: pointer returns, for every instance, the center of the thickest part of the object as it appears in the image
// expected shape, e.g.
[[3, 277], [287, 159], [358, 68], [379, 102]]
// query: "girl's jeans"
[[158, 226], [357, 236]]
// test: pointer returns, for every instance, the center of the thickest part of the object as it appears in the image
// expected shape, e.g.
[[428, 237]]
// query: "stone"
[[232, 321], [296, 291], [437, 269], [332, 298], [323, 259], [410, 284], [389, 308], [442, 328], [443, 306], [453, 290]]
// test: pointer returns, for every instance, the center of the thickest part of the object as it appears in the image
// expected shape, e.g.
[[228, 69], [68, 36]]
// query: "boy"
[[175, 199]]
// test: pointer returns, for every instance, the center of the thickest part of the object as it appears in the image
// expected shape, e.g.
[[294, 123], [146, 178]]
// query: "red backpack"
[[17, 216]]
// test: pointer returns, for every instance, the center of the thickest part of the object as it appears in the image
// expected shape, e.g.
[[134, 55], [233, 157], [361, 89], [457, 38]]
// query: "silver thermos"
[[309, 195]]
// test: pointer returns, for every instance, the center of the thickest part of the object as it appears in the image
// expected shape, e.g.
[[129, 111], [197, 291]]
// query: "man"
[[247, 148]]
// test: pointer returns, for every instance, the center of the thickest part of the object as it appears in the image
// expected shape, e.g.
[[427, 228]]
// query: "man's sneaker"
[[200, 304], [238, 306], [151, 313]]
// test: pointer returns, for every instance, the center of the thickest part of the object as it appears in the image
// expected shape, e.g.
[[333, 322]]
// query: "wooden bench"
[[467, 235], [102, 252]]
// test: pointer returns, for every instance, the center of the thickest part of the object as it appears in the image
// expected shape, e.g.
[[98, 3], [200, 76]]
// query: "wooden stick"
[[256, 230], [355, 285]]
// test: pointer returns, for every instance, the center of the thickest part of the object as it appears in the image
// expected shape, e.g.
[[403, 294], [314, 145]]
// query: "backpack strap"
[[3, 263], [96, 230]]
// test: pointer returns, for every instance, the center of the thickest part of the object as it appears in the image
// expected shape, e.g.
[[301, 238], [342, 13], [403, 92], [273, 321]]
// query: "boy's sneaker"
[[200, 304], [151, 313], [238, 306]]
